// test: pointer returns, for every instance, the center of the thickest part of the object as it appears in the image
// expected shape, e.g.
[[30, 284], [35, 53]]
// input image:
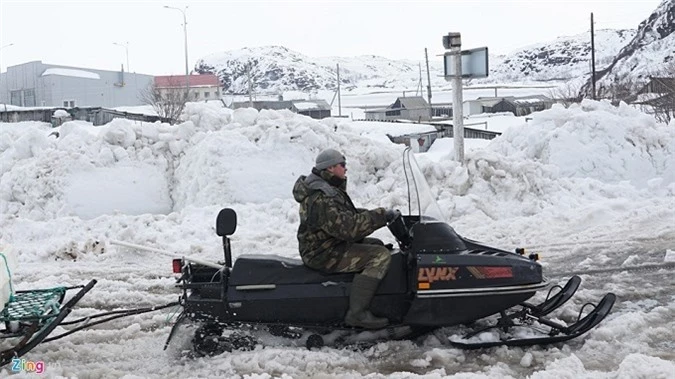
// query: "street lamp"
[[187, 73], [2, 47], [126, 47]]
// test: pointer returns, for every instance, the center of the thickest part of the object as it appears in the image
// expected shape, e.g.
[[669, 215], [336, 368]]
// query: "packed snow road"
[[638, 334]]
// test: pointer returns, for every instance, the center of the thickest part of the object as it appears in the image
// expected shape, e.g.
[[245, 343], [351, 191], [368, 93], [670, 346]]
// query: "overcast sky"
[[83, 33]]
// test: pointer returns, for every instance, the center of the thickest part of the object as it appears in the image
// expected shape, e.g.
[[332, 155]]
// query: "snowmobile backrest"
[[226, 223]]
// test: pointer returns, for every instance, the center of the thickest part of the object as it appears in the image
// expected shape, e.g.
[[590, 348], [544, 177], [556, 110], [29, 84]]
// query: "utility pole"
[[593, 57], [453, 41], [338, 91], [187, 72], [431, 109], [419, 90], [248, 75]]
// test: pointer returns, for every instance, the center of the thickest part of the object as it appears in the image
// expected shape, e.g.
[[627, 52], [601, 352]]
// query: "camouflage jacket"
[[329, 221]]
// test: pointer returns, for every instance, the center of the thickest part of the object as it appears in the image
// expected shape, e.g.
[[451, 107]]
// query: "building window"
[[393, 113], [206, 95], [15, 98], [69, 103], [196, 95], [29, 97]]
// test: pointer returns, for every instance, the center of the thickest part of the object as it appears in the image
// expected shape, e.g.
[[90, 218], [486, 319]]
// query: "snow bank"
[[589, 173], [596, 140], [562, 159], [87, 171]]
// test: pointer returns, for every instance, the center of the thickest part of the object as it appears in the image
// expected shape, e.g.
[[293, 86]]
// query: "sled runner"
[[30, 316]]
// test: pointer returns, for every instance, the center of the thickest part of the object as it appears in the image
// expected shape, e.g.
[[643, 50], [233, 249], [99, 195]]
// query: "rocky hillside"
[[650, 52], [274, 69], [621, 55], [562, 59]]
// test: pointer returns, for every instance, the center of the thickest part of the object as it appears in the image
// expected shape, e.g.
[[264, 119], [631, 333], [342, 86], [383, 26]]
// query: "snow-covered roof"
[[643, 97], [527, 100], [491, 101], [305, 106], [308, 105], [412, 102], [71, 72]]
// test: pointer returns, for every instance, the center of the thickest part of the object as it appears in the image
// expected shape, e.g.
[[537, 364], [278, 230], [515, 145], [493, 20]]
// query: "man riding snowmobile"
[[332, 235]]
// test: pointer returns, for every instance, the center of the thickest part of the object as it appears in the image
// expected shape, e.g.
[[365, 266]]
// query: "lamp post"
[[2, 47], [453, 42], [187, 73], [126, 47]]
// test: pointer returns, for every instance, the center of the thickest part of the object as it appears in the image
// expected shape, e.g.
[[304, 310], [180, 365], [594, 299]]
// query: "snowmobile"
[[436, 279]]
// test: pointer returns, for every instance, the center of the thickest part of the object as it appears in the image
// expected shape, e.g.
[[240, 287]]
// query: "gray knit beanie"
[[328, 158]]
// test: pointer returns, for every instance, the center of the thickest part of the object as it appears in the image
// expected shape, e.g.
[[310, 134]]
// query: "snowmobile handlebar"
[[400, 231]]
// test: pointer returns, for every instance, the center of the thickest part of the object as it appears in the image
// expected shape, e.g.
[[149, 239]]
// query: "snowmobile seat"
[[273, 269]]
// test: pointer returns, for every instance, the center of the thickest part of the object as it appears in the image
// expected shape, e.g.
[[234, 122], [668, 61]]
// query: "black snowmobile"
[[436, 279]]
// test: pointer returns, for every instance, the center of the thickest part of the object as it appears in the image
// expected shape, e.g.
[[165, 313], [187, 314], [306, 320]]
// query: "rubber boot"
[[363, 289]]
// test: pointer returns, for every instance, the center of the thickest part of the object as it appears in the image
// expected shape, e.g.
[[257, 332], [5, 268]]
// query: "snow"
[[138, 109], [590, 186], [71, 72], [281, 70], [60, 113], [305, 106], [380, 130], [444, 148]]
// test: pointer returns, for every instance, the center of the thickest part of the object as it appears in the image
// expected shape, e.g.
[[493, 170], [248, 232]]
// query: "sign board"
[[474, 63]]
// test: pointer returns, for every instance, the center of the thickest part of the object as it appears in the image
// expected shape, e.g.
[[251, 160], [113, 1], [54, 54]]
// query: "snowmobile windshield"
[[421, 201]]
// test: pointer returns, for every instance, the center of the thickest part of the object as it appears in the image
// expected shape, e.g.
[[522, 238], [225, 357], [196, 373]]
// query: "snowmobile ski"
[[557, 333], [557, 300]]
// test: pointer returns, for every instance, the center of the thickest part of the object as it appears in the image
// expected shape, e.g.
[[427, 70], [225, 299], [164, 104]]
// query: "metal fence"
[[95, 115]]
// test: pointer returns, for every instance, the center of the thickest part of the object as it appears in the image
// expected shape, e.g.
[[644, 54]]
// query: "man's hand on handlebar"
[[391, 214]]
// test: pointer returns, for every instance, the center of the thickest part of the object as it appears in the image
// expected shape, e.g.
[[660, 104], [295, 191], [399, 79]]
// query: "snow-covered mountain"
[[650, 52], [274, 69], [625, 54], [561, 59]]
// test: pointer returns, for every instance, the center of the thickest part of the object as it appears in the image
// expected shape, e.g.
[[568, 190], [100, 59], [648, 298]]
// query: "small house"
[[658, 85], [313, 108], [202, 87], [413, 108], [522, 106]]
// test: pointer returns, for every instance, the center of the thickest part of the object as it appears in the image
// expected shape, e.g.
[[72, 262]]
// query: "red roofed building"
[[202, 87]]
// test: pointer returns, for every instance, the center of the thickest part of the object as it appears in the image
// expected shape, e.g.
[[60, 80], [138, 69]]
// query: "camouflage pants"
[[369, 257]]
